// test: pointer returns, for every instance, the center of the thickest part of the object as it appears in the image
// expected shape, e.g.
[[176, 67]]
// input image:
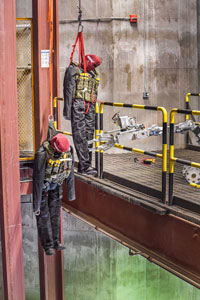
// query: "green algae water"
[[98, 268]]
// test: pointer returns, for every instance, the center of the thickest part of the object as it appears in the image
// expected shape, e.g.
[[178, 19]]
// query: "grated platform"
[[149, 176]]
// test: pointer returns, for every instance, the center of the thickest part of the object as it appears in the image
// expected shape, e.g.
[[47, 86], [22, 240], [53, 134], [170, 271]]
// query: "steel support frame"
[[51, 268], [169, 241], [10, 204]]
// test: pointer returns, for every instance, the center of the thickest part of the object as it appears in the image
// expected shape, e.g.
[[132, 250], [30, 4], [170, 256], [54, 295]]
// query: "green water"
[[98, 268], [101, 269]]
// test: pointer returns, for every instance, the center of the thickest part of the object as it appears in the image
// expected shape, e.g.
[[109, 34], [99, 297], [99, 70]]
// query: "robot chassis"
[[130, 130]]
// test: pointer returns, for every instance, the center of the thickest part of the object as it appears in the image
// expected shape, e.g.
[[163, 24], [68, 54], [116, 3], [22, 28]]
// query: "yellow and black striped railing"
[[173, 159], [55, 115], [96, 138], [187, 106], [187, 101], [163, 156]]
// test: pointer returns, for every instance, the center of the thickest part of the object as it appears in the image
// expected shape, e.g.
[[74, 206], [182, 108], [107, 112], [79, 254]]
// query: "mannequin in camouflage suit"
[[80, 94], [53, 164]]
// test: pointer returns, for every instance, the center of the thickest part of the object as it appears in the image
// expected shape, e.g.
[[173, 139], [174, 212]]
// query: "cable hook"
[[80, 26]]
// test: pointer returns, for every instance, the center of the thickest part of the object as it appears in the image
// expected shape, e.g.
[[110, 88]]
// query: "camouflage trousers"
[[83, 126], [48, 221]]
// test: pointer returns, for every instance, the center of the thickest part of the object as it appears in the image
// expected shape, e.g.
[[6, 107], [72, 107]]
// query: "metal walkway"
[[123, 169]]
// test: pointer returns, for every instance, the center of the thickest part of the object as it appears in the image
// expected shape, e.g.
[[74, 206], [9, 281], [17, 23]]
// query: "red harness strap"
[[79, 39], [88, 106], [81, 51]]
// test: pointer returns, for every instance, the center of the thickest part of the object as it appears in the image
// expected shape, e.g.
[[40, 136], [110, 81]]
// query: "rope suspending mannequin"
[[80, 87], [79, 39]]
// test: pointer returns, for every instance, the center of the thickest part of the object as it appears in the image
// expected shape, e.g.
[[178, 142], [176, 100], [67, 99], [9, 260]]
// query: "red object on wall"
[[133, 19]]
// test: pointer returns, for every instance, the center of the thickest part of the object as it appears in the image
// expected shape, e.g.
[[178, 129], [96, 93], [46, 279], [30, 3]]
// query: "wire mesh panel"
[[25, 87]]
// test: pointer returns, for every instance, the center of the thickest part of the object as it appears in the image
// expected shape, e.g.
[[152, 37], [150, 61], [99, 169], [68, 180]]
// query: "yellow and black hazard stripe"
[[188, 107], [55, 115], [188, 96], [101, 131], [164, 156], [197, 186], [173, 159], [96, 136], [138, 151]]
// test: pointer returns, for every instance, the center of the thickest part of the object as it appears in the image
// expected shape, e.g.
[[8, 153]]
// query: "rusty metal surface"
[[10, 206], [173, 242], [51, 268], [41, 75]]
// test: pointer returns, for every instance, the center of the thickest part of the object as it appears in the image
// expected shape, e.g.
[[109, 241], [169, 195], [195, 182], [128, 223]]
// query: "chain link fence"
[[25, 87]]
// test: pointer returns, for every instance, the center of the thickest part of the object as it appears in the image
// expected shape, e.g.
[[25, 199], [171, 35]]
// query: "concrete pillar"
[[10, 208]]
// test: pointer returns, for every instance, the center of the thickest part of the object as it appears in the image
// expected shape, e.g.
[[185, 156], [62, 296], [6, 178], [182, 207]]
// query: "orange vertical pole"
[[50, 20]]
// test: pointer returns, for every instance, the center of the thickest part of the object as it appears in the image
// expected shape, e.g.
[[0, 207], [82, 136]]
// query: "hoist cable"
[[80, 26], [144, 45], [79, 39], [50, 20]]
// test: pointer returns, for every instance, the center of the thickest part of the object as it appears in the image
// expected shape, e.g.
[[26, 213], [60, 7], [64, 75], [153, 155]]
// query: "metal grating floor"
[[124, 166]]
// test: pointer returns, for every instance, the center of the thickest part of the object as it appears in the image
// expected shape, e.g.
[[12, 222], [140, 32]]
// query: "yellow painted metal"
[[64, 132], [118, 104], [164, 146], [196, 165], [172, 113], [163, 156], [55, 100], [196, 113], [136, 150], [119, 146], [171, 159], [101, 108], [96, 130], [25, 83], [55, 124], [164, 112], [195, 185], [164, 165], [187, 101], [101, 131], [138, 106], [187, 97]]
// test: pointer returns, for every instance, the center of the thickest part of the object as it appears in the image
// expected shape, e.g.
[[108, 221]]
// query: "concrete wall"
[[24, 8], [198, 40], [159, 55]]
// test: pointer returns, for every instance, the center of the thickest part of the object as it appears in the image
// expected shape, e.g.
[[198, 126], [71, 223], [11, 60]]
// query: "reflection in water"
[[97, 267]]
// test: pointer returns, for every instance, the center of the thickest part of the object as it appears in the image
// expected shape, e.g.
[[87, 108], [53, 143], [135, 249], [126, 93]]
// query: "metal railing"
[[162, 156], [173, 159], [55, 115], [187, 106]]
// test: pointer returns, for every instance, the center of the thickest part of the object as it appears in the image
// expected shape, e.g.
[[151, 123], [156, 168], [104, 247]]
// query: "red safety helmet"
[[60, 143], [91, 61]]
